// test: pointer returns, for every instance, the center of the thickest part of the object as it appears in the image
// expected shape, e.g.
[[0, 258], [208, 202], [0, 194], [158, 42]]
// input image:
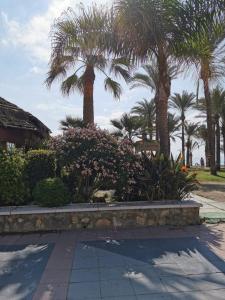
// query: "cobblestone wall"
[[122, 218]]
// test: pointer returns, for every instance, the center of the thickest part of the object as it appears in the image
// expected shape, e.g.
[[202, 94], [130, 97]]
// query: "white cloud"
[[33, 36]]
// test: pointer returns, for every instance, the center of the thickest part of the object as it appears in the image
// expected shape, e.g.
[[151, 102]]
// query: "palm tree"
[[71, 122], [193, 146], [202, 134], [79, 50], [127, 126], [191, 131], [182, 103], [146, 112], [173, 128], [218, 100], [202, 32], [150, 80], [147, 28]]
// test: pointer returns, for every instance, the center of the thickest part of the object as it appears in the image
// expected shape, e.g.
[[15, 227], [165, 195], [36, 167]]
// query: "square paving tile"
[[116, 288], [21, 269], [83, 291]]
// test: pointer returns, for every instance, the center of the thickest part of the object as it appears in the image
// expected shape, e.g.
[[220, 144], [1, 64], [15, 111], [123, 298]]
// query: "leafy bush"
[[51, 192], [91, 160], [40, 164], [165, 179], [12, 187]]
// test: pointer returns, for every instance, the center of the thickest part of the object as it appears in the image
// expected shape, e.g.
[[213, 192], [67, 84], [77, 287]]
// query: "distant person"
[[202, 162]]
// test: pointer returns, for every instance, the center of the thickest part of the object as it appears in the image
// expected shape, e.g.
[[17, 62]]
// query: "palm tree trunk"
[[211, 141], [157, 116], [206, 154], [164, 93], [188, 153], [183, 141], [88, 102], [223, 133], [218, 162]]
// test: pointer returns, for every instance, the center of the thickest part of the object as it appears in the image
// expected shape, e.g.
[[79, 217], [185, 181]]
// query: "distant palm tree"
[[182, 103], [127, 126], [193, 146], [218, 100], [79, 50], [191, 131], [146, 112], [71, 122], [150, 79], [201, 43], [173, 128], [202, 134]]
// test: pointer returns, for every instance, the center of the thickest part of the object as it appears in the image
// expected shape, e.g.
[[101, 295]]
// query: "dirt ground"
[[214, 191]]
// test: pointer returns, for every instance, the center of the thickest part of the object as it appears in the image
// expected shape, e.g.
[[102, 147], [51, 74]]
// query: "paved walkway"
[[212, 211], [148, 263]]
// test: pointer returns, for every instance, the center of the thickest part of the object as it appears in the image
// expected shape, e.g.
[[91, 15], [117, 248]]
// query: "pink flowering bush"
[[92, 159]]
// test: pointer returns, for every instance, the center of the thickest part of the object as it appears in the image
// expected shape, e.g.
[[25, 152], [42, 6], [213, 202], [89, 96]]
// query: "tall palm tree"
[[191, 131], [148, 28], [126, 127], [173, 128], [218, 100], [146, 112], [150, 79], [79, 42], [201, 42], [182, 103], [71, 122]]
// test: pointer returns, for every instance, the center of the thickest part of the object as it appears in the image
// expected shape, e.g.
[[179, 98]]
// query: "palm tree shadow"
[[21, 267], [168, 266]]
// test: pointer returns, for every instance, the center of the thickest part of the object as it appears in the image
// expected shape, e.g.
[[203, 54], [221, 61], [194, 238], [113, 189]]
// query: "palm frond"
[[114, 87]]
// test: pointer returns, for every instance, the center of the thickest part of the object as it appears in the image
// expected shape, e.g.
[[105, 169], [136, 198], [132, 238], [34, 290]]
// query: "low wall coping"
[[88, 207]]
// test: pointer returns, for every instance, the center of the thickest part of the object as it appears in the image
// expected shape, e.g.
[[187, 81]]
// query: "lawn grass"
[[204, 175]]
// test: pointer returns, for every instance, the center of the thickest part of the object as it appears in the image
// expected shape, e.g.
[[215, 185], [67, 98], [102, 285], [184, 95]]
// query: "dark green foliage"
[[40, 164], [12, 187], [165, 179], [51, 192]]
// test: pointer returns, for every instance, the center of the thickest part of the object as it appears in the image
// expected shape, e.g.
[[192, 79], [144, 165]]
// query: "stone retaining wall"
[[99, 216]]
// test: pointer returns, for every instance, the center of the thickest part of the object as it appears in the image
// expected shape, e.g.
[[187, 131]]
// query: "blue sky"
[[24, 55]]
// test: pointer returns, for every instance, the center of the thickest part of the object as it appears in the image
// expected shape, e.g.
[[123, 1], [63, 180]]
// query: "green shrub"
[[51, 192], [12, 187], [165, 179], [40, 164]]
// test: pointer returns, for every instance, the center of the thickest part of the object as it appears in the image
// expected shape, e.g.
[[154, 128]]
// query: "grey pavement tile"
[[166, 296], [84, 275], [114, 261], [147, 285], [120, 298], [83, 291], [142, 271], [168, 269], [199, 295], [202, 282], [85, 263], [117, 273], [116, 288]]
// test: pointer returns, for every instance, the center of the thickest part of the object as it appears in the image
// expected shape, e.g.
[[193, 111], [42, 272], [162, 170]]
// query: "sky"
[[24, 55]]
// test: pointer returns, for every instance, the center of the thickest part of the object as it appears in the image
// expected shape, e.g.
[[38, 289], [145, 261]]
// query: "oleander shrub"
[[13, 190], [40, 164], [51, 192], [91, 159], [165, 179]]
